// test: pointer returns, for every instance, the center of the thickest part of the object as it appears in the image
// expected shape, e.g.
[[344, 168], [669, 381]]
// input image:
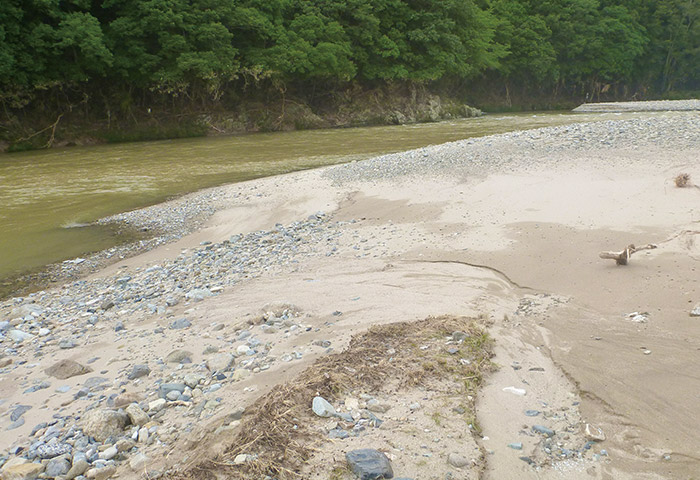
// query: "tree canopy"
[[184, 46]]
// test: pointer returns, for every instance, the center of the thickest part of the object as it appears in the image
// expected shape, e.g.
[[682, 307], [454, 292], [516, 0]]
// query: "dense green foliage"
[[117, 51]]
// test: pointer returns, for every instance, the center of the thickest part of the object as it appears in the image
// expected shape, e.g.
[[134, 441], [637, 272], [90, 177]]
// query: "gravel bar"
[[648, 106], [505, 152]]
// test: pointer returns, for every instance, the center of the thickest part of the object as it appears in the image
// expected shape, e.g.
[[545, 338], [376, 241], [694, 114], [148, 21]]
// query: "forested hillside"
[[115, 62]]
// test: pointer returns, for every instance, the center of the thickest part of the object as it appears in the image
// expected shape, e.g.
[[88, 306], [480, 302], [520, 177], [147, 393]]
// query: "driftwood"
[[621, 258]]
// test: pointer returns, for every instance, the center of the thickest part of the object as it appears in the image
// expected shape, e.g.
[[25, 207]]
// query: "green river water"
[[46, 197]]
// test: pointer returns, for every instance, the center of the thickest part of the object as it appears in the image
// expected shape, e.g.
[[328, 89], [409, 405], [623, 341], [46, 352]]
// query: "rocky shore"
[[646, 106], [119, 373]]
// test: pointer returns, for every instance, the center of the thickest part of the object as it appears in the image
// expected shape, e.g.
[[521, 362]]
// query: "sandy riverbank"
[[506, 227]]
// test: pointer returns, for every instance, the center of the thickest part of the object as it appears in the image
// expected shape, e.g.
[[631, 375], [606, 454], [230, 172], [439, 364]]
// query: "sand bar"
[[508, 227]]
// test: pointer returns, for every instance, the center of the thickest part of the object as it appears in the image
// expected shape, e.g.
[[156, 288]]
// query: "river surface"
[[48, 199]]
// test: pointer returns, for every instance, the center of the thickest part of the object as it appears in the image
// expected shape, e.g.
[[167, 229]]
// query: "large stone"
[[179, 356], [24, 471], [19, 336], [139, 371], [166, 388], [101, 473], [157, 405], [322, 407], [220, 362], [102, 424], [80, 466], [179, 324], [457, 460], [67, 368], [136, 415], [52, 450], [193, 379], [198, 294], [369, 464], [57, 467]]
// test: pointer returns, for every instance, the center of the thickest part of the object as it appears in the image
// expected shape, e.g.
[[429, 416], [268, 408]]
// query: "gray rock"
[[18, 411], [109, 453], [139, 371], [165, 388], [172, 396], [695, 312], [101, 424], [136, 415], [547, 432], [193, 379], [66, 369], [220, 362], [457, 460], [53, 450], [107, 304], [157, 405], [19, 336], [338, 433], [37, 387], [57, 467], [374, 405], [125, 444], [16, 424], [209, 349], [198, 294], [171, 301], [532, 413], [369, 464], [67, 344], [516, 445], [179, 356], [93, 382], [179, 324], [322, 407], [80, 466], [101, 473]]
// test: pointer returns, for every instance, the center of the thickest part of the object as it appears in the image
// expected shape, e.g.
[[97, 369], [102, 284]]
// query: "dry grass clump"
[[276, 428], [682, 180]]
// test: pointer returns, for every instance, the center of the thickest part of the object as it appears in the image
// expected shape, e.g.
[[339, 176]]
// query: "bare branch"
[[623, 257]]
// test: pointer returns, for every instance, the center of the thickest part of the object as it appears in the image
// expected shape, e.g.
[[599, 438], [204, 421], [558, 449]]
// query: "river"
[[49, 199]]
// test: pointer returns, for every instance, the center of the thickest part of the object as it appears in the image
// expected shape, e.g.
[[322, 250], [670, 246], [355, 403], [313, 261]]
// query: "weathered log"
[[623, 257]]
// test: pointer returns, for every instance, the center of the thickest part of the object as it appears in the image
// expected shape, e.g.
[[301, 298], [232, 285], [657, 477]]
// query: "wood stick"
[[623, 257]]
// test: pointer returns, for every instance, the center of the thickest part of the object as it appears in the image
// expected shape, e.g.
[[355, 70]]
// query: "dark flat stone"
[[369, 464]]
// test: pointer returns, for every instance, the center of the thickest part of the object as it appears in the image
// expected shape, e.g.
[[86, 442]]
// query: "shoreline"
[[475, 227]]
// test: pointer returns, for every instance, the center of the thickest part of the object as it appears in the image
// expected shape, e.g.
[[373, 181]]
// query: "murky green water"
[[44, 195]]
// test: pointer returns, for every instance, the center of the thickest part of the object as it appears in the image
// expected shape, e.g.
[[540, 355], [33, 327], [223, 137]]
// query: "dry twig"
[[623, 257]]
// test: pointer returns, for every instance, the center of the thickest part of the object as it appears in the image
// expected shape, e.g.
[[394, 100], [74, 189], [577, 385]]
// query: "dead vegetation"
[[623, 256], [682, 180], [276, 428]]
